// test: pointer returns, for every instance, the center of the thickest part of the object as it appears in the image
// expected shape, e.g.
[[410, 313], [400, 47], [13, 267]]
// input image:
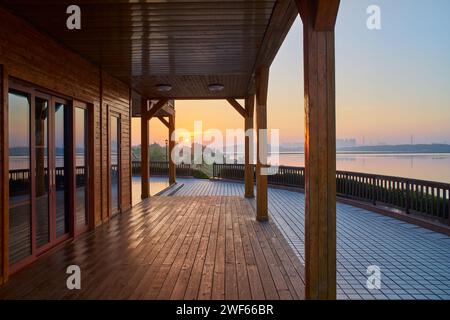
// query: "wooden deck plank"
[[171, 248]]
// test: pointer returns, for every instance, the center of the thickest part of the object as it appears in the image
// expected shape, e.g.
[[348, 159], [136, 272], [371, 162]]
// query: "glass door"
[[40, 173], [52, 171], [20, 185], [81, 169], [42, 168], [61, 163], [115, 164]]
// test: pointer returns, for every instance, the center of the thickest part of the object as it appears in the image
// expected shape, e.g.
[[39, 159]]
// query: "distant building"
[[345, 143]]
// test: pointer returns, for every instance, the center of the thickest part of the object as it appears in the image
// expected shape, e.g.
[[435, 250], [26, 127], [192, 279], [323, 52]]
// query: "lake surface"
[[434, 167]]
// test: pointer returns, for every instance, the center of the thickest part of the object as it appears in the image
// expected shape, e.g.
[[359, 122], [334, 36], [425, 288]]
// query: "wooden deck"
[[171, 248]]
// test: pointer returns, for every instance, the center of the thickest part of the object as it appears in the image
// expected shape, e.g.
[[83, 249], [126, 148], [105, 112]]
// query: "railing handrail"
[[426, 197], [435, 184]]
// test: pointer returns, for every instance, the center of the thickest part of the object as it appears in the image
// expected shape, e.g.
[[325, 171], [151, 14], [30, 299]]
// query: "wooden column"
[[249, 109], [262, 81], [4, 176], [145, 183], [172, 166], [320, 147]]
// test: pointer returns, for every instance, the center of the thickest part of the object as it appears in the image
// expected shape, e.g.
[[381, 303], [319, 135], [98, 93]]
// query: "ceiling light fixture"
[[215, 87], [163, 87]]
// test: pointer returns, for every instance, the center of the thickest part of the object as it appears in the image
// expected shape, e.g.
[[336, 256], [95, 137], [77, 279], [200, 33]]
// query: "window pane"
[[62, 169], [42, 174], [19, 177]]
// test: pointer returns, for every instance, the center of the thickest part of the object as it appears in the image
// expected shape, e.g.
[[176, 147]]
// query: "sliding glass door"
[[48, 172], [20, 217], [61, 162]]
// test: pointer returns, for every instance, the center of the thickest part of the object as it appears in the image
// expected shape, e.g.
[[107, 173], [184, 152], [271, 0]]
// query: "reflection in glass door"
[[115, 164], [81, 160], [40, 162], [19, 177], [41, 181], [61, 168]]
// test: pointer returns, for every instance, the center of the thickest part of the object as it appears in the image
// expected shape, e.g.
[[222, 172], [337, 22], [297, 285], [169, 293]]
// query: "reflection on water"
[[434, 167]]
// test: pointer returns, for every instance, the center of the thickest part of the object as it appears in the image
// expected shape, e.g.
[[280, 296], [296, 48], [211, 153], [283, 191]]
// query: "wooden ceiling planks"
[[188, 44]]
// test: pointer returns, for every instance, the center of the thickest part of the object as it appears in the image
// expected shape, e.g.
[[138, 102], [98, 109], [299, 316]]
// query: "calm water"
[[434, 167]]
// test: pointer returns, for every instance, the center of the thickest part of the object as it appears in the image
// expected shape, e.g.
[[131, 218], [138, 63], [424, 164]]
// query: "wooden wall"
[[32, 56], [3, 189]]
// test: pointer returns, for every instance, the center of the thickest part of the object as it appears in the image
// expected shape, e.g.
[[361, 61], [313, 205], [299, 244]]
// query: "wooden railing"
[[161, 168], [431, 199]]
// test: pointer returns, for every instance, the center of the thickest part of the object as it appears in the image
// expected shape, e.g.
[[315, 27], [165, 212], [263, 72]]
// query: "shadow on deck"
[[171, 248]]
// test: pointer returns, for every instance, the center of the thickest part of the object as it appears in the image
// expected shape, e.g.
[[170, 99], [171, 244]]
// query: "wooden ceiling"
[[188, 44]]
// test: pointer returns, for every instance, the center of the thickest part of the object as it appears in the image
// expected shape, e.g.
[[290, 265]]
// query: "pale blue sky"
[[390, 83]]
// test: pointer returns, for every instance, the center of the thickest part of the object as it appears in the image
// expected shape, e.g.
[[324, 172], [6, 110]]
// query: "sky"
[[391, 84]]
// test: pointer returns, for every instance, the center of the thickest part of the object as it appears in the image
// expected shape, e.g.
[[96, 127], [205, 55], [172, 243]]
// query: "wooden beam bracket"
[[237, 106], [153, 110], [164, 121]]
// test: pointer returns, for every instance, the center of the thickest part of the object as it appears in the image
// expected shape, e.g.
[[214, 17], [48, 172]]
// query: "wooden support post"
[[4, 176], [145, 183], [249, 109], [320, 147], [172, 166], [262, 82]]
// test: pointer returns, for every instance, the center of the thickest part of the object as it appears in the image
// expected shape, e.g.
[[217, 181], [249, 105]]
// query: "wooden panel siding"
[[31, 56], [4, 176]]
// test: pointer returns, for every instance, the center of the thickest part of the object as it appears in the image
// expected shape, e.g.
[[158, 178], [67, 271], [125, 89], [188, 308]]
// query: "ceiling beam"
[[283, 16], [236, 105]]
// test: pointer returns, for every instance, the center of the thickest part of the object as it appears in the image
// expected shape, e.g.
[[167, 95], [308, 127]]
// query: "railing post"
[[408, 197], [448, 207], [374, 191]]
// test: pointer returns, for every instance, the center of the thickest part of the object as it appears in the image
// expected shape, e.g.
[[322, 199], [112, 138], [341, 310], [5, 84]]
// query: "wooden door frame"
[[4, 157], [110, 113]]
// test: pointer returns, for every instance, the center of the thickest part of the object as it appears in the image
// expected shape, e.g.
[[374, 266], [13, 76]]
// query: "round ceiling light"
[[163, 87], [215, 87]]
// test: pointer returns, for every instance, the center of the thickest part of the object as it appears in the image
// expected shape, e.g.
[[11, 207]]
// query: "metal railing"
[[20, 179], [428, 198], [161, 168]]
